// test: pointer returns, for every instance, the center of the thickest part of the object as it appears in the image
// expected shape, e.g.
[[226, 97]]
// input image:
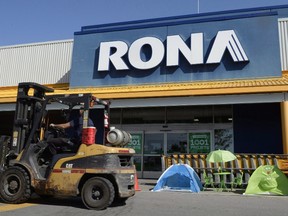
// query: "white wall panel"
[[44, 63], [283, 39]]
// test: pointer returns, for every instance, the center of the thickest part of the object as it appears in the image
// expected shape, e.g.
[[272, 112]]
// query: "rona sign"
[[148, 52], [208, 47]]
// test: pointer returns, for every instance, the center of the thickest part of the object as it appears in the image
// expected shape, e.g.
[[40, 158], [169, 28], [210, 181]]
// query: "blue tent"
[[179, 177]]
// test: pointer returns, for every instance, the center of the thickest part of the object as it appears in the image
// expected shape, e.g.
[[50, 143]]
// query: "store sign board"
[[188, 51], [200, 142], [136, 142], [225, 40]]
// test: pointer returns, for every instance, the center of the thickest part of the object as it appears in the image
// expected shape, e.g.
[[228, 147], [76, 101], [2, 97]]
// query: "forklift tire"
[[97, 193], [15, 185]]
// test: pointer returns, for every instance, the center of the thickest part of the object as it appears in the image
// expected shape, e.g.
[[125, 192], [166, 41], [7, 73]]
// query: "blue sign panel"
[[210, 47]]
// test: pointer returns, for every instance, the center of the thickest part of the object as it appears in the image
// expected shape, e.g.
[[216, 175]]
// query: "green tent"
[[267, 179]]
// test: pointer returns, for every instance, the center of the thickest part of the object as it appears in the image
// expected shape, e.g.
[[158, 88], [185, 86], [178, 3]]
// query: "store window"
[[190, 114], [176, 114], [223, 139], [152, 115], [223, 114], [115, 116], [152, 163], [176, 143], [154, 143]]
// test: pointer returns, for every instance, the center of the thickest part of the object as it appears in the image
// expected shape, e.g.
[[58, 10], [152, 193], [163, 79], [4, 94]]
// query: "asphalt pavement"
[[166, 203], [148, 185]]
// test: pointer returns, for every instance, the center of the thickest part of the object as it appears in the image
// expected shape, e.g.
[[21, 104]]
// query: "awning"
[[278, 85]]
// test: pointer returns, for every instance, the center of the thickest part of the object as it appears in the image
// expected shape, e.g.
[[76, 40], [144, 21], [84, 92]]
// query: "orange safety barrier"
[[244, 164], [283, 165]]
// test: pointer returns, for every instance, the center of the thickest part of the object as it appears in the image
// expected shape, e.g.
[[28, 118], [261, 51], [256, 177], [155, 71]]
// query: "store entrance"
[[158, 131], [155, 145], [150, 146]]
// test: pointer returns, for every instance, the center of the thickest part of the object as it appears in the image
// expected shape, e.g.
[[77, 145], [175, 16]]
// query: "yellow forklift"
[[29, 163]]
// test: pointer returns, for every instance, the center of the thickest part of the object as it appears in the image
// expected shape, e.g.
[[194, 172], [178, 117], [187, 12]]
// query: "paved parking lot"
[[167, 203]]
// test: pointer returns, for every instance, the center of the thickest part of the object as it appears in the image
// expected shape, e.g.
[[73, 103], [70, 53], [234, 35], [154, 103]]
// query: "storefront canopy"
[[216, 88]]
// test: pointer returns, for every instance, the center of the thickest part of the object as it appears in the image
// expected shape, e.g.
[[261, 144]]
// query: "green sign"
[[199, 142], [136, 143]]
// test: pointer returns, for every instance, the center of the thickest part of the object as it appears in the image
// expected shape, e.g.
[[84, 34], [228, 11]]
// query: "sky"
[[33, 21]]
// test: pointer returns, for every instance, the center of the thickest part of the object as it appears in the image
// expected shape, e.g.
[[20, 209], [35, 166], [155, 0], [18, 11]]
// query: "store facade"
[[189, 84], [216, 47]]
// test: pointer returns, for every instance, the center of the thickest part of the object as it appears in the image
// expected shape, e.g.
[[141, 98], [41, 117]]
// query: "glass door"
[[170, 142], [177, 143], [152, 152], [151, 145]]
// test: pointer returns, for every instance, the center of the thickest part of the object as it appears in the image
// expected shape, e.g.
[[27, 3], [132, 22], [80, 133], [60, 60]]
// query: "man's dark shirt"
[[77, 126]]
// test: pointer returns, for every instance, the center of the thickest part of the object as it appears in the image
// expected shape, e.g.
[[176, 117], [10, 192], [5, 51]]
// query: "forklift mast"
[[30, 109]]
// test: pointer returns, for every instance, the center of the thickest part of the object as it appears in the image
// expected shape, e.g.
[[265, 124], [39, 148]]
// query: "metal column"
[[284, 120]]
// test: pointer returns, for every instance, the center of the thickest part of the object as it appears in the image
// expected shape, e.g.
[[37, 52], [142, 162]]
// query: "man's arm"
[[62, 126]]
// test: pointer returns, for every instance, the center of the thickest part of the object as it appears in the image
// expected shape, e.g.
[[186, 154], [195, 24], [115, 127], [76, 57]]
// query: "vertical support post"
[[284, 122]]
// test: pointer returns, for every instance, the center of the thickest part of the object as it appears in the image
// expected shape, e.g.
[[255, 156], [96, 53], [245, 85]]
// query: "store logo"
[[148, 52]]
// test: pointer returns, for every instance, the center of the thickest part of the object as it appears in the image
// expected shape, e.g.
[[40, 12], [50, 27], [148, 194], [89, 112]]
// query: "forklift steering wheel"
[[57, 132]]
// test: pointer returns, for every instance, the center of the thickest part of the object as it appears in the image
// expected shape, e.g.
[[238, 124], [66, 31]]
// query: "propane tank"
[[118, 137]]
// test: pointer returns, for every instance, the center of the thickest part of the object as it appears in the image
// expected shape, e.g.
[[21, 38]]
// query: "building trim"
[[179, 21], [213, 88]]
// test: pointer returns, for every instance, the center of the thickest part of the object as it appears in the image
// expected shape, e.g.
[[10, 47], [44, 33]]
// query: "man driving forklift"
[[98, 173], [73, 129]]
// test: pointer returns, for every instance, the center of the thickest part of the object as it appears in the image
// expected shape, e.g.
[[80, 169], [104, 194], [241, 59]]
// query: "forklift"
[[100, 174]]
